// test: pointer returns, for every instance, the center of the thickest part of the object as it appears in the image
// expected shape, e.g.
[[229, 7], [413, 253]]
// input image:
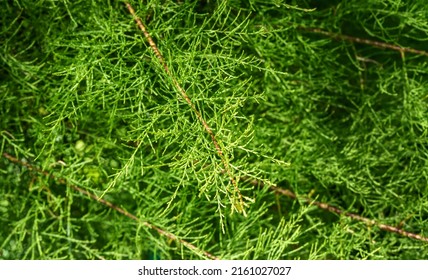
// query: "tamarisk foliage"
[[226, 135]]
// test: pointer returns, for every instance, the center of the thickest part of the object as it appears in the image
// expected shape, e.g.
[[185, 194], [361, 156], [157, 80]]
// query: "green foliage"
[[84, 97]]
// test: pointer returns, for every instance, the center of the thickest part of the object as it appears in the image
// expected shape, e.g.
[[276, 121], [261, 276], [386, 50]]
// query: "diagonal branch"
[[336, 210], [112, 206], [192, 106], [376, 44]]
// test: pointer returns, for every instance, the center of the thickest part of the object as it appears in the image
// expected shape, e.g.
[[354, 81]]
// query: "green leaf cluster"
[[84, 97]]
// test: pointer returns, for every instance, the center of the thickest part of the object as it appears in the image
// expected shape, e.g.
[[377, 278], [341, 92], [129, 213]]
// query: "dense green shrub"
[[339, 119]]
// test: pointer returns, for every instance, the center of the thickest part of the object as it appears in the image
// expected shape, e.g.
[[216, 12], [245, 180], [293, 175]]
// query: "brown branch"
[[112, 206], [376, 44], [189, 102], [336, 210]]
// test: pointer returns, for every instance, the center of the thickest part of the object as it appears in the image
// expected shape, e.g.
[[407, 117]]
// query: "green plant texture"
[[327, 99]]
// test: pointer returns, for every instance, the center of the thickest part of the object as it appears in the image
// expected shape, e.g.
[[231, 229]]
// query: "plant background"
[[83, 96]]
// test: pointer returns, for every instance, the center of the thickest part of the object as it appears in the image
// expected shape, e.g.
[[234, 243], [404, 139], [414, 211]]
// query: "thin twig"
[[376, 44], [189, 102], [336, 210], [112, 206]]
